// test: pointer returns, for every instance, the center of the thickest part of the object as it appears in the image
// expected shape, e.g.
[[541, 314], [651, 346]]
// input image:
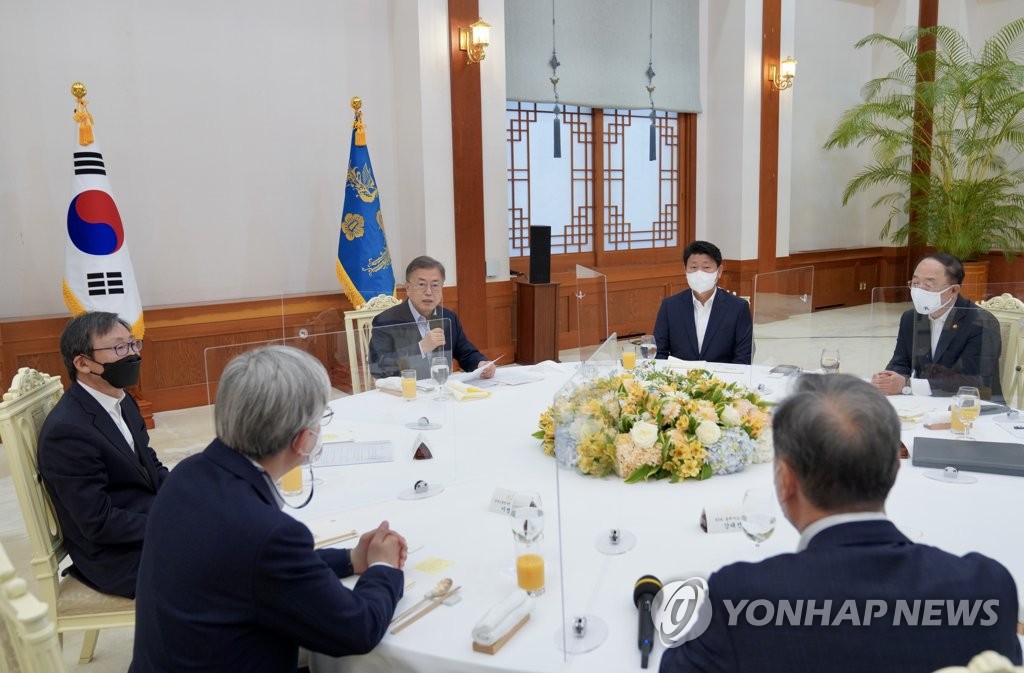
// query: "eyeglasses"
[[328, 416], [423, 287], [926, 285], [120, 350]]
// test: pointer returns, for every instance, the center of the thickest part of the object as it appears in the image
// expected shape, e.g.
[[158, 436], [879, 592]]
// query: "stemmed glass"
[[528, 529], [967, 407], [648, 347], [757, 515], [830, 360], [439, 370]]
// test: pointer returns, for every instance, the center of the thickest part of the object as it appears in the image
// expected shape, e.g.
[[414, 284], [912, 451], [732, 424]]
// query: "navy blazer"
[[101, 489], [728, 336], [967, 353], [229, 582], [397, 346], [860, 561]]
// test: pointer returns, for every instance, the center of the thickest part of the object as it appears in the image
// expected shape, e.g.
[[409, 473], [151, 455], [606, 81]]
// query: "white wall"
[[226, 130]]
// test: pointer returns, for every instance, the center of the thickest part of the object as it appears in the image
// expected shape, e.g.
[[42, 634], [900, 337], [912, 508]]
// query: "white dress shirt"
[[937, 324], [112, 405], [701, 315]]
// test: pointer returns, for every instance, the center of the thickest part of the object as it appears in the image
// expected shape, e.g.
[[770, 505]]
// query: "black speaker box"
[[540, 254]]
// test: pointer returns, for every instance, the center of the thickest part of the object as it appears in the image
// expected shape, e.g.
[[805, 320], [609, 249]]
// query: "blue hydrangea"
[[730, 453]]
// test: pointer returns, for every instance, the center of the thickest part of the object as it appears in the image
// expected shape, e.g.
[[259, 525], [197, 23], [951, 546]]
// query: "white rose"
[[730, 416], [708, 433], [644, 434]]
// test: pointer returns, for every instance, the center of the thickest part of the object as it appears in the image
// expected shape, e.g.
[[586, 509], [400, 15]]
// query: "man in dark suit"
[[945, 339], [228, 581], [880, 602], [702, 323], [94, 454], [409, 335]]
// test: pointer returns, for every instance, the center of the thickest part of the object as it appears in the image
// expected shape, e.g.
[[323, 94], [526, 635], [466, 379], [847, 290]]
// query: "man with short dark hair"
[[702, 323], [945, 339], [407, 336], [94, 454], [228, 581], [836, 457]]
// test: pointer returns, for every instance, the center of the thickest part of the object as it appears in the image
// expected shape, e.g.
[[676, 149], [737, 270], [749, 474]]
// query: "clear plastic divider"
[[961, 350], [398, 441], [591, 296]]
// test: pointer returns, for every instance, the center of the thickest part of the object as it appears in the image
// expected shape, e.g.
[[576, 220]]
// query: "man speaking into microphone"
[[407, 336]]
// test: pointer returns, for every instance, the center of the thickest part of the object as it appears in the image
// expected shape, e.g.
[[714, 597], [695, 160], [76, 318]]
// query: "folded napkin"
[[675, 363], [500, 619], [462, 391], [393, 385]]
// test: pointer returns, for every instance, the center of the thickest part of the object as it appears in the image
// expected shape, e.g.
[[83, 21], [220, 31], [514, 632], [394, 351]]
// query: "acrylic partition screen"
[[380, 443], [781, 306], [590, 310], [961, 350], [582, 433]]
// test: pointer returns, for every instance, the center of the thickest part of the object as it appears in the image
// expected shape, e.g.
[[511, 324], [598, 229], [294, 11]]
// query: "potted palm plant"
[[965, 193]]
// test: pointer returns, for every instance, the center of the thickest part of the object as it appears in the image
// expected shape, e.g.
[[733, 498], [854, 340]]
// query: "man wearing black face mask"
[[94, 454]]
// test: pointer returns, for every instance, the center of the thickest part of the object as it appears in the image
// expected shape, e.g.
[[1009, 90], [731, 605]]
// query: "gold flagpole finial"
[[82, 116], [357, 123]]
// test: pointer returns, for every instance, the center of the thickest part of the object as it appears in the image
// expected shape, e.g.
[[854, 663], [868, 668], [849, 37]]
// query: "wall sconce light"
[[781, 76], [474, 39]]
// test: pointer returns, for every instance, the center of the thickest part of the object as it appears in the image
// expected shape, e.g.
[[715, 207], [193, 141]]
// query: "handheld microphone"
[[644, 591], [435, 321]]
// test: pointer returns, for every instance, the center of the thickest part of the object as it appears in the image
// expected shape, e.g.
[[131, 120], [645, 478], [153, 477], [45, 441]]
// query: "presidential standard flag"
[[98, 273], [364, 262]]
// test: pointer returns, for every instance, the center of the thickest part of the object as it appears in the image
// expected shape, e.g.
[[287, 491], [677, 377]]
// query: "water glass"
[[648, 347], [830, 360], [439, 370], [757, 515]]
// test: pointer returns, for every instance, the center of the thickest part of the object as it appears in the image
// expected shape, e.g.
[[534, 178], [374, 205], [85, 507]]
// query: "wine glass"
[[830, 360], [966, 408], [648, 347], [757, 515], [439, 370]]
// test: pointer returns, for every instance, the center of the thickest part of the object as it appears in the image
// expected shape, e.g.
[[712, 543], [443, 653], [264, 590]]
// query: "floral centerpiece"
[[651, 424]]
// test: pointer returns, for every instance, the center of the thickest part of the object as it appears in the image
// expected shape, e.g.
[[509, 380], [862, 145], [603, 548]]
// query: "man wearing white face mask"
[[945, 339], [702, 323]]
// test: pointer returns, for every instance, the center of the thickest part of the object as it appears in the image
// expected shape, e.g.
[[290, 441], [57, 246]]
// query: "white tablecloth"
[[486, 444]]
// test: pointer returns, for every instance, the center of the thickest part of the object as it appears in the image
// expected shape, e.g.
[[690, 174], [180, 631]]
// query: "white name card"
[[721, 519], [501, 501]]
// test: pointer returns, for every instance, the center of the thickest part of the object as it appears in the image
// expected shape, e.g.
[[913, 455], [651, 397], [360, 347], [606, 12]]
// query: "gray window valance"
[[603, 47]]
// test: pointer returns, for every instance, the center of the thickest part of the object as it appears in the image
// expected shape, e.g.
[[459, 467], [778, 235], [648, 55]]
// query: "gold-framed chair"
[[1009, 311], [358, 328], [28, 639], [73, 606]]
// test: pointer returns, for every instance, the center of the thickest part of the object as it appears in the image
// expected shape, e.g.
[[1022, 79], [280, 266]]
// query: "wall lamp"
[[781, 76], [474, 39]]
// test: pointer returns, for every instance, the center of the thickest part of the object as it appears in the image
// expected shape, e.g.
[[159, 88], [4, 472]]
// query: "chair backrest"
[[358, 328], [22, 412], [28, 639], [1009, 311]]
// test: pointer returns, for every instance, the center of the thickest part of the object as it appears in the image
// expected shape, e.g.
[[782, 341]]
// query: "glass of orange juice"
[[628, 357], [409, 384], [527, 527], [291, 482]]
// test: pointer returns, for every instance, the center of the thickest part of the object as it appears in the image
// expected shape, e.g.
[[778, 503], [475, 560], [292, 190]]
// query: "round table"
[[486, 444]]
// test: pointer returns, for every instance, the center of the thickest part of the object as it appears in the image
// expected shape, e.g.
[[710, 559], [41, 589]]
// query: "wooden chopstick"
[[411, 610], [440, 599], [328, 541]]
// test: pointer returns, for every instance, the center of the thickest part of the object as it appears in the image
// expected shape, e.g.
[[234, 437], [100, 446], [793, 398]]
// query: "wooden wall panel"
[[174, 363]]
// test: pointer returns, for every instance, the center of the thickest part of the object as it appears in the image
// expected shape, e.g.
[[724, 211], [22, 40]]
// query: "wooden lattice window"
[[637, 212]]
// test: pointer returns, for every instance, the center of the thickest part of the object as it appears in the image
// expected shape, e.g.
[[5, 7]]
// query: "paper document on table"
[[355, 453]]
